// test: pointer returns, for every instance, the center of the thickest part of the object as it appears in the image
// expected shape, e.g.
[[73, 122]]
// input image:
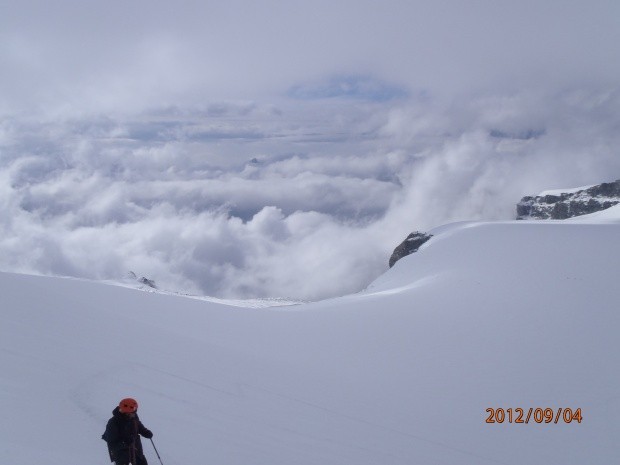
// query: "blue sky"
[[354, 87]]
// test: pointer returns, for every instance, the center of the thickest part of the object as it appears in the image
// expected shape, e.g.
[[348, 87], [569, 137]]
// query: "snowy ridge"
[[609, 215], [560, 205], [401, 373], [571, 190], [247, 303]]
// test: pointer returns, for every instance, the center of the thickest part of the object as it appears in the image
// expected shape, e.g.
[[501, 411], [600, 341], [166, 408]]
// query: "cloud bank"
[[302, 200], [268, 148], [107, 56]]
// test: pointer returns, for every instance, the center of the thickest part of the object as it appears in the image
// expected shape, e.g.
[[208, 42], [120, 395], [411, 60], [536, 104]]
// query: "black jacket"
[[122, 433]]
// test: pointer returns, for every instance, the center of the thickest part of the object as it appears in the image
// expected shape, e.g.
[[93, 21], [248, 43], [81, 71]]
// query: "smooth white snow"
[[570, 190], [511, 314]]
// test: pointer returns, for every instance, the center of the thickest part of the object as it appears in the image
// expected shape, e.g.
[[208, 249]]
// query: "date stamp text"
[[534, 415]]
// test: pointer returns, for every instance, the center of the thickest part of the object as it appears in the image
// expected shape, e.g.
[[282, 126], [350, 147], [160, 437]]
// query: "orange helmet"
[[128, 405]]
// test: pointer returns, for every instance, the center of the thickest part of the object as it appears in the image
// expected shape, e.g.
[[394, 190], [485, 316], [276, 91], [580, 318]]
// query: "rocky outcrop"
[[562, 205], [145, 281], [553, 205], [408, 246]]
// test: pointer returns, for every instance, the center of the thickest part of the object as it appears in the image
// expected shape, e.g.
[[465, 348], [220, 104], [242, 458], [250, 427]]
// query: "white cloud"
[[113, 56], [164, 139], [308, 219]]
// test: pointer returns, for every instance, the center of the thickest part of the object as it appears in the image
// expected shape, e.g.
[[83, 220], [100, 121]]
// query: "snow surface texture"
[[509, 314]]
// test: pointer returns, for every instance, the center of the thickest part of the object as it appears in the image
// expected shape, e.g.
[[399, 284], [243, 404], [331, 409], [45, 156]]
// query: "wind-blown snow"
[[507, 314]]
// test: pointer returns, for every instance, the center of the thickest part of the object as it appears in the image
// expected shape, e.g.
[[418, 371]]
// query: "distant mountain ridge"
[[549, 205], [558, 205]]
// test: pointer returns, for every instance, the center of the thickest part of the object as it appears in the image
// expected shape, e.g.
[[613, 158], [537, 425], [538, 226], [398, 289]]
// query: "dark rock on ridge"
[[409, 245], [542, 207], [146, 281], [569, 204]]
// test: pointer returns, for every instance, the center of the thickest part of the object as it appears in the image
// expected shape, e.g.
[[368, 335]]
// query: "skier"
[[122, 433]]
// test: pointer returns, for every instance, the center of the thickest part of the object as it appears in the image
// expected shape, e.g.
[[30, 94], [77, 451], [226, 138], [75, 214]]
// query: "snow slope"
[[512, 314]]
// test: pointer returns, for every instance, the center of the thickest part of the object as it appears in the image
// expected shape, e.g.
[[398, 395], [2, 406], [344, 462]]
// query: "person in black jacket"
[[122, 433]]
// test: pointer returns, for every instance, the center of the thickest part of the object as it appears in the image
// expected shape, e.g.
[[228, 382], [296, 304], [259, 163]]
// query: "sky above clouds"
[[272, 148], [120, 54]]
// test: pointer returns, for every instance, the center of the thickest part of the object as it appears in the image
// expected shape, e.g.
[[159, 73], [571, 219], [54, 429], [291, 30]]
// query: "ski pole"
[[162, 463]]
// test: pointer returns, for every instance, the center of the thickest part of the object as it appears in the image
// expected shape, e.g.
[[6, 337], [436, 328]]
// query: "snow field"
[[501, 315]]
